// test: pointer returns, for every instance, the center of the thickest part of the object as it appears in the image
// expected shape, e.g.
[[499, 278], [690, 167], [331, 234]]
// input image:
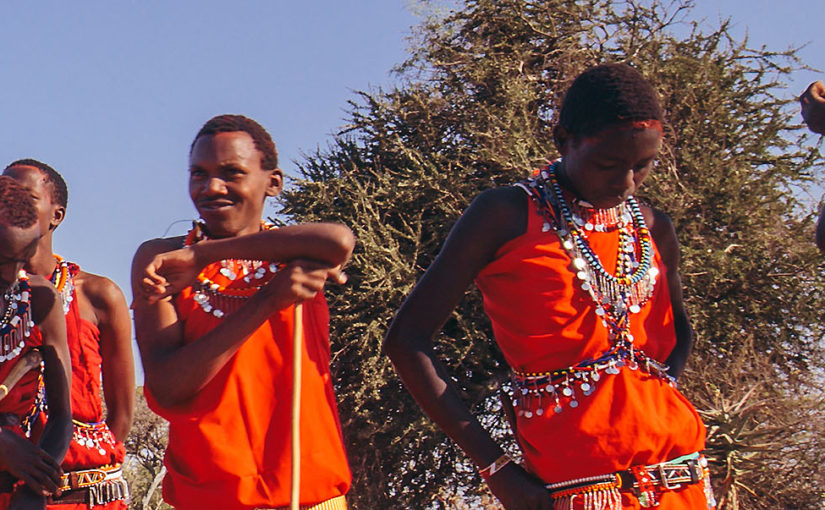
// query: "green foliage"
[[475, 110]]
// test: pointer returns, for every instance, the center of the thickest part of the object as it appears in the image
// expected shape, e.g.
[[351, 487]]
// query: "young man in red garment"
[[214, 322], [29, 469], [98, 328]]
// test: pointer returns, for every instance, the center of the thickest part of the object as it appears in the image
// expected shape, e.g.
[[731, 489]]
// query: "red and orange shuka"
[[20, 401], [83, 338], [229, 447], [543, 321]]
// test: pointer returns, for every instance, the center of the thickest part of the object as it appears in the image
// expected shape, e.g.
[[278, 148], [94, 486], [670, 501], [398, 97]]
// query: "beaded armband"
[[495, 467]]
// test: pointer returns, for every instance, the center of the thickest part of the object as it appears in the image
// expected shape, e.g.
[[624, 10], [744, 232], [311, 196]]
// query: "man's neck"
[[43, 262]]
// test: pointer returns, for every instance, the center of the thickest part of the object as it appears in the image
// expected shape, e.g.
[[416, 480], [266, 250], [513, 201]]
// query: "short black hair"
[[231, 123], [60, 192], [605, 95], [17, 207]]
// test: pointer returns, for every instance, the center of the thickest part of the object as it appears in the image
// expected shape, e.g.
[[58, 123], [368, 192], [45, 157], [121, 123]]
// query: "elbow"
[[344, 241]]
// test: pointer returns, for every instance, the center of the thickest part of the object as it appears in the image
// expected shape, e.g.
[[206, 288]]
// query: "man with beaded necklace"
[[214, 321], [99, 337], [581, 284], [29, 471]]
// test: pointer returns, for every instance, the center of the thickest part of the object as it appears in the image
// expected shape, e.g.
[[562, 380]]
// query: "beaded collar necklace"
[[223, 286], [632, 285], [616, 296], [16, 323], [64, 282]]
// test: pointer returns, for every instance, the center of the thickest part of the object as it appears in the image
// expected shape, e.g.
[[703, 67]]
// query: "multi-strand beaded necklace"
[[616, 297], [16, 323], [224, 286], [64, 283]]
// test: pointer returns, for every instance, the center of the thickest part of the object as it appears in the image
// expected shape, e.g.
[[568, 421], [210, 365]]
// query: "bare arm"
[[41, 473], [664, 235], [115, 325], [175, 371], [495, 217], [169, 272]]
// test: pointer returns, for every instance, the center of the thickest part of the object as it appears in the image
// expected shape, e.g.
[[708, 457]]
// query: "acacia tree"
[[145, 446], [475, 109]]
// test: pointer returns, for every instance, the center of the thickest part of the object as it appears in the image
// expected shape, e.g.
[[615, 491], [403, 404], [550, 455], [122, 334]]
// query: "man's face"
[[17, 246], [606, 169], [227, 184], [49, 214]]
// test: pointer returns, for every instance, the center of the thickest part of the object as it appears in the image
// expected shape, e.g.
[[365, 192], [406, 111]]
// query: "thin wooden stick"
[[297, 344], [28, 362]]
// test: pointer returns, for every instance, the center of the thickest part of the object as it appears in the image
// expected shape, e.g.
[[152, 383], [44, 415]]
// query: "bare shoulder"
[[502, 212], [148, 249], [99, 290], [659, 223], [43, 297], [663, 233]]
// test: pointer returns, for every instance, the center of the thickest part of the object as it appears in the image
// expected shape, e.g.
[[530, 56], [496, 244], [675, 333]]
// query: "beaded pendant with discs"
[[223, 286], [64, 282]]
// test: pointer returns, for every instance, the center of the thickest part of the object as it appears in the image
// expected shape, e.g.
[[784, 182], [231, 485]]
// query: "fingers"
[[42, 474], [816, 91]]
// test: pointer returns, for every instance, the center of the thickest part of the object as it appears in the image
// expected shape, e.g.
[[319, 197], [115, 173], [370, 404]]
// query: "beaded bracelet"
[[495, 467]]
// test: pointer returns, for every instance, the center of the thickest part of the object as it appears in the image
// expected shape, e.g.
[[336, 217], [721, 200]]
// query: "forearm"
[[427, 381], [330, 243], [820, 231], [58, 431], [119, 421], [175, 375], [684, 345]]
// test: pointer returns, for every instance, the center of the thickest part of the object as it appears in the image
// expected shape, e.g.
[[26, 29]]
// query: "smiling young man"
[[99, 335], [214, 321], [29, 472]]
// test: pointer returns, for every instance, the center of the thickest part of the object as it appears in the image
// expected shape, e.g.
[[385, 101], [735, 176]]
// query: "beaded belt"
[[93, 486], [604, 491], [336, 503], [560, 385]]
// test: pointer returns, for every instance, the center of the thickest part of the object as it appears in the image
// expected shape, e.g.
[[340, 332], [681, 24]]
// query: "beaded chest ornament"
[[616, 297], [64, 283], [16, 323], [222, 290]]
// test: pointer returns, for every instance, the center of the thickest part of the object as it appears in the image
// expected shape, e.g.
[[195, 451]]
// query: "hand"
[[168, 273], [300, 280], [519, 490], [25, 461], [813, 107]]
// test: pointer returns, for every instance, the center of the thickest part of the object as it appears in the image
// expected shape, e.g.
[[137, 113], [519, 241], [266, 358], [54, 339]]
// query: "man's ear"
[[561, 138], [276, 183], [58, 214]]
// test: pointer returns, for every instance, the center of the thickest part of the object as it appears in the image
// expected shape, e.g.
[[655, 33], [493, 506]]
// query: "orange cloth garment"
[[543, 321], [87, 449], [229, 447]]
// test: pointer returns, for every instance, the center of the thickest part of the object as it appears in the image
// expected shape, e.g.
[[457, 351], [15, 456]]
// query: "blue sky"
[[111, 93]]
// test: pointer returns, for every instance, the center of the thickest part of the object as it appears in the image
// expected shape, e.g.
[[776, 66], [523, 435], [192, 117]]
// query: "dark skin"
[[100, 302], [228, 187], [612, 169], [38, 466], [812, 102]]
